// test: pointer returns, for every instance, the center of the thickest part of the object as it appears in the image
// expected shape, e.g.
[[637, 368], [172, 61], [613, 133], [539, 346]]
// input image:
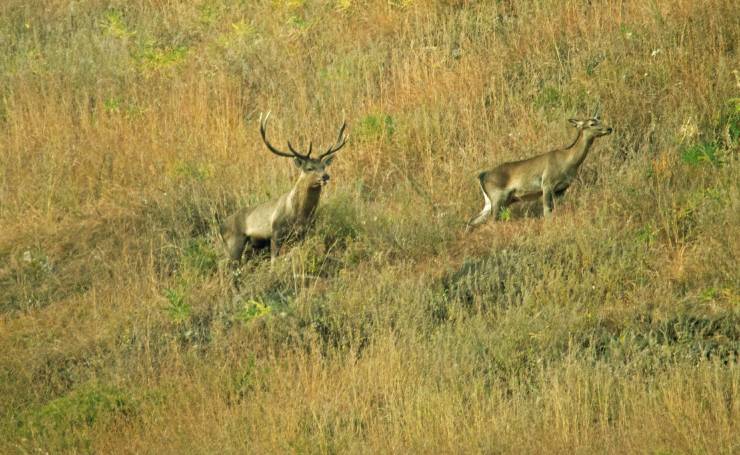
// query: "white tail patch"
[[488, 206]]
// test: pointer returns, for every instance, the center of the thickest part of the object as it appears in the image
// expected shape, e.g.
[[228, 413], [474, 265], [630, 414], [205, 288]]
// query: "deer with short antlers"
[[290, 214], [546, 175]]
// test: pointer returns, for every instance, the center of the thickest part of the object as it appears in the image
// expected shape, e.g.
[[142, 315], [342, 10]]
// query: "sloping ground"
[[612, 327]]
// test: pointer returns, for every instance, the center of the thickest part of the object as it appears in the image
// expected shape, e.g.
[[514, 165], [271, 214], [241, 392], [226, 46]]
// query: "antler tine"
[[296, 153], [341, 132], [341, 140], [596, 111], [263, 132], [273, 149]]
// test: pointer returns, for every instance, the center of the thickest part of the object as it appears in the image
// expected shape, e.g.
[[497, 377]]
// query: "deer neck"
[[579, 150], [304, 197], [579, 134]]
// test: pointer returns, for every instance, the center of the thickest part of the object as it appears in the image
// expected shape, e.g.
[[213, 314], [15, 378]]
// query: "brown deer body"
[[289, 215], [546, 175]]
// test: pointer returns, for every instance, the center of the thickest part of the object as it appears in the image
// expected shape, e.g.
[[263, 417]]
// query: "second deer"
[[291, 214], [545, 175]]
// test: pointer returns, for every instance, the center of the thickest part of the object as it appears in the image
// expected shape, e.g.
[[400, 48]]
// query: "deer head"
[[591, 126], [313, 169]]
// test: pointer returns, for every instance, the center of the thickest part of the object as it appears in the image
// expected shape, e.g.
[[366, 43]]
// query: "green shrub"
[[251, 310], [339, 219], [699, 154], [549, 97], [375, 127], [200, 257], [67, 419], [152, 57], [178, 309], [190, 170], [114, 25]]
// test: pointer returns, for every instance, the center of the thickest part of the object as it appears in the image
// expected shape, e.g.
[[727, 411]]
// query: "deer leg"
[[547, 201], [275, 244], [492, 205], [235, 246], [481, 217], [248, 250]]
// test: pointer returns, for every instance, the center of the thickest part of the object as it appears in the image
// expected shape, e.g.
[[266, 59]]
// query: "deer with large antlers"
[[546, 175], [289, 215]]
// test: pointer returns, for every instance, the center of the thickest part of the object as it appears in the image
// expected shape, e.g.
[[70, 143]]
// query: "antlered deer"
[[290, 214]]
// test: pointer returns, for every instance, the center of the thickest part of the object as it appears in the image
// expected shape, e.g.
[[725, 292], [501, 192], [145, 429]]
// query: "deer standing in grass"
[[545, 175], [290, 214]]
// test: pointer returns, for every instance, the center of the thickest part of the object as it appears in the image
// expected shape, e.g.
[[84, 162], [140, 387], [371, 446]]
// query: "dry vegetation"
[[126, 125]]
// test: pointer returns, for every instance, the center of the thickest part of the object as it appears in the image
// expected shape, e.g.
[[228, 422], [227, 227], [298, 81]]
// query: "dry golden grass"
[[126, 126]]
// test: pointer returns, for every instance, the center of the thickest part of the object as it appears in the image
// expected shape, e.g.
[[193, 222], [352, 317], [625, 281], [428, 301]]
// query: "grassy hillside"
[[126, 126]]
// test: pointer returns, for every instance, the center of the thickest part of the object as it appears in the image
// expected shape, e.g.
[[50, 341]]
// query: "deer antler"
[[341, 140], [273, 149], [307, 155], [597, 108]]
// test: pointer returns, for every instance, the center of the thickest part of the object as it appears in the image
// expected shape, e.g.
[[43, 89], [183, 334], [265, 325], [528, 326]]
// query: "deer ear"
[[574, 122], [327, 160], [298, 162]]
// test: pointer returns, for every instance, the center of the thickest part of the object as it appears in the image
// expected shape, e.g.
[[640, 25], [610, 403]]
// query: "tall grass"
[[125, 127]]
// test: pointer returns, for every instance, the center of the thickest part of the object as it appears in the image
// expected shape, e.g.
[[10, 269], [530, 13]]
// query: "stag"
[[289, 215], [545, 175]]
